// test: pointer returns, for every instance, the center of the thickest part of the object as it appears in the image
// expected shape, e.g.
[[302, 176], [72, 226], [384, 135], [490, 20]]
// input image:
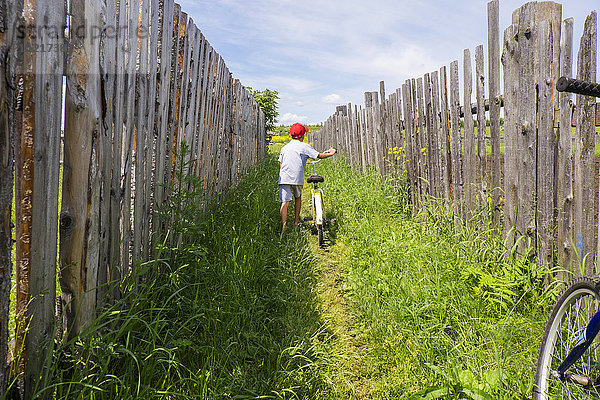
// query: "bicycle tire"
[[569, 317], [320, 235]]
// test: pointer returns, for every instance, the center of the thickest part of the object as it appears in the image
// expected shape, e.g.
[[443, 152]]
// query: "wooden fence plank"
[[353, 138], [177, 58], [206, 111], [195, 126], [46, 129], [141, 132], [548, 25], [364, 146], [421, 140], [203, 110], [526, 115], [382, 129], [369, 129], [511, 90], [445, 121], [6, 190], [457, 161], [436, 136], [494, 97], [564, 174], [584, 164], [225, 133], [470, 155], [116, 195], [131, 44], [546, 147], [409, 126], [108, 46], [151, 138], [168, 45], [189, 126], [24, 186], [79, 219], [430, 136], [184, 96], [401, 131], [481, 177]]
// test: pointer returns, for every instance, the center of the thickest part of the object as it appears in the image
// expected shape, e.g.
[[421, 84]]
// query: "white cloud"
[[316, 59], [289, 118], [332, 99]]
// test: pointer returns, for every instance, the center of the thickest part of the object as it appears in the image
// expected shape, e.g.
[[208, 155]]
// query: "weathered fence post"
[[421, 140], [436, 133], [546, 144], [457, 159], [141, 133], [446, 137], [79, 219], [44, 123], [564, 171], [584, 163], [481, 173], [6, 189], [494, 100], [470, 156]]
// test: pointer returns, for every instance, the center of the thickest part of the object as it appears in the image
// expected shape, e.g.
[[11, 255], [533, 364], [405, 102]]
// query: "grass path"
[[395, 307], [351, 379]]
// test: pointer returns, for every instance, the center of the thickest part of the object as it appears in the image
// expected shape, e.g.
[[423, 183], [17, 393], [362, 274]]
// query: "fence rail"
[[134, 79], [543, 183]]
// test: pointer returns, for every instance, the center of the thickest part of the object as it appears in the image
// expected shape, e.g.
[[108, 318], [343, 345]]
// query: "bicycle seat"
[[315, 179]]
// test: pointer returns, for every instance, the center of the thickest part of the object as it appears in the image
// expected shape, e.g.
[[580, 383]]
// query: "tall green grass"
[[395, 306], [443, 313], [227, 311]]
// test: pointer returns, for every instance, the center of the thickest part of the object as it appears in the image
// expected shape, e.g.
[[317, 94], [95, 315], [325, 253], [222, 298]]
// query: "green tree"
[[267, 100]]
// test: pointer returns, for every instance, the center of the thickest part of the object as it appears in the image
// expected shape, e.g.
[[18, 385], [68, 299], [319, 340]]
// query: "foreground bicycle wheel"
[[564, 329]]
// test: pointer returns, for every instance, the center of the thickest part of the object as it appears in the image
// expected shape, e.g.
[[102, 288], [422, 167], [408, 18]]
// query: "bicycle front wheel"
[[564, 329]]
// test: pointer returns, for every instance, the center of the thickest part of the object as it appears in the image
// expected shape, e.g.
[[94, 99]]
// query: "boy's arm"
[[328, 153]]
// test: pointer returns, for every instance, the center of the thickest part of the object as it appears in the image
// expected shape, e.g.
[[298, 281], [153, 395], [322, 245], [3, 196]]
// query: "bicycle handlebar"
[[578, 86]]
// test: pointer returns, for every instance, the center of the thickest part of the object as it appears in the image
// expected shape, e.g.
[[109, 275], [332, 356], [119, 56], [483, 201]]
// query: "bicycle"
[[568, 365], [317, 204]]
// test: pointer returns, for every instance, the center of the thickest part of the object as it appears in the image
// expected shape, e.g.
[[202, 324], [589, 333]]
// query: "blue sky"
[[319, 54]]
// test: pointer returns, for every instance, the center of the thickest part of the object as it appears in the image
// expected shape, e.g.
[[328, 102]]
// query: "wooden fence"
[[537, 171], [140, 80]]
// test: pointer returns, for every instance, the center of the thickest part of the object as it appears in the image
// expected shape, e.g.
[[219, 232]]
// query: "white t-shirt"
[[293, 157]]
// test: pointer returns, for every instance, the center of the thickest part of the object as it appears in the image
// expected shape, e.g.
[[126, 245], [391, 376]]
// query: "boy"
[[292, 160]]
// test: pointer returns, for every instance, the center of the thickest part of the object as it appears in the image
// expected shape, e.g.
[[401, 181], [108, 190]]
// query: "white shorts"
[[286, 191]]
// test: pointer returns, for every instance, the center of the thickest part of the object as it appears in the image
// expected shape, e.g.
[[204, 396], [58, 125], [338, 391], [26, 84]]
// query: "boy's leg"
[[283, 211], [297, 205]]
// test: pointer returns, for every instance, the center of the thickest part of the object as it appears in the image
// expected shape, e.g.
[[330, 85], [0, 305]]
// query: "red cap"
[[298, 130]]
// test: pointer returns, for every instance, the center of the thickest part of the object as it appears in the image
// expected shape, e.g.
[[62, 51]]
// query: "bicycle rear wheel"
[[565, 326], [320, 234]]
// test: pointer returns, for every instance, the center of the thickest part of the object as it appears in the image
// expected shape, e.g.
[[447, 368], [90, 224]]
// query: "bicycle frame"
[[317, 203], [316, 194]]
